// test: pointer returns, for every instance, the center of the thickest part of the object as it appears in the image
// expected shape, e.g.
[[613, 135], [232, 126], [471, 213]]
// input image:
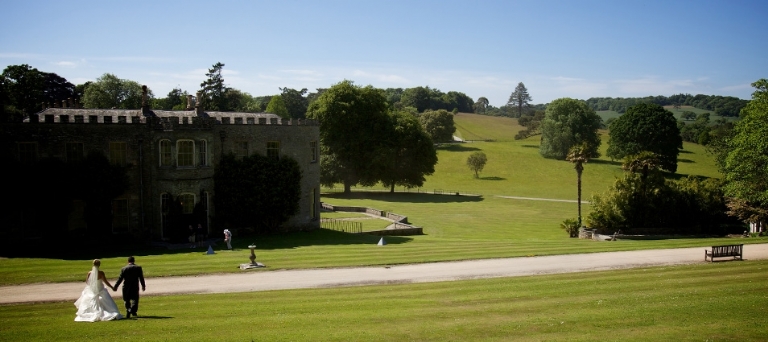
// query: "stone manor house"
[[169, 156]]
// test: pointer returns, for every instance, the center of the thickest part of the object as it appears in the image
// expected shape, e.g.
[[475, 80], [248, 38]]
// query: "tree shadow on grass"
[[685, 152], [530, 146], [457, 148], [493, 178], [605, 162], [400, 197], [685, 161]]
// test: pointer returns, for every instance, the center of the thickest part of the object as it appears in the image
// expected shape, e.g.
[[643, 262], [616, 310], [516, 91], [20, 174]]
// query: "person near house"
[[191, 236], [200, 232], [228, 238], [95, 303], [132, 274]]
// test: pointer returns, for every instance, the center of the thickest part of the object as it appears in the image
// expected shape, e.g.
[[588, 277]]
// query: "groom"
[[132, 274]]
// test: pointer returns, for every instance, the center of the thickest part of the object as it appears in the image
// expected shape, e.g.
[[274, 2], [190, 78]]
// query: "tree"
[[418, 98], [481, 105], [520, 98], [257, 191], [646, 127], [476, 162], [438, 124], [214, 90], [295, 102], [532, 123], [410, 153], [277, 106], [578, 155], [109, 91], [746, 160], [23, 90], [353, 124], [568, 122], [176, 99], [688, 115]]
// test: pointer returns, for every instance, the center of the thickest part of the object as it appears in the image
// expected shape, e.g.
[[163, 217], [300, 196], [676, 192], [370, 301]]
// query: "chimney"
[[189, 102], [69, 102], [144, 106], [198, 104]]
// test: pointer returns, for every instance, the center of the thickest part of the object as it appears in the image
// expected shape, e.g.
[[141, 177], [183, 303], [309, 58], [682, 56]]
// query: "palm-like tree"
[[578, 155]]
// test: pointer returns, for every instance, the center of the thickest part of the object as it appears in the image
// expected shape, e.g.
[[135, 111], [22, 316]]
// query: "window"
[[187, 203], [225, 121], [185, 153], [238, 121], [241, 149], [64, 118], [250, 121], [185, 120], [273, 149], [313, 150], [28, 152], [135, 119], [203, 152], [93, 119], [165, 152], [107, 119], [120, 218], [118, 152], [74, 152], [121, 119], [312, 205], [49, 118], [78, 119]]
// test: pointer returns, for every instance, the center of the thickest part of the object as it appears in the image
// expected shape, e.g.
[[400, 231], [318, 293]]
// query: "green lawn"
[[722, 301]]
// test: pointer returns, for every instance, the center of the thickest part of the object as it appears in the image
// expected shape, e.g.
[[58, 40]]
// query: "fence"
[[342, 225]]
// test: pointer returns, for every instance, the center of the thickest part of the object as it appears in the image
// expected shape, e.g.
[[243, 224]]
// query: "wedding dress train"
[[95, 303]]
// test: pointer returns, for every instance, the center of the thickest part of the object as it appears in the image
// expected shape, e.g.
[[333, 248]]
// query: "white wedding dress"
[[95, 303]]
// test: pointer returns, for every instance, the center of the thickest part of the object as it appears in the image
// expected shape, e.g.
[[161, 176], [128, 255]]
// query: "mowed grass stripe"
[[721, 301]]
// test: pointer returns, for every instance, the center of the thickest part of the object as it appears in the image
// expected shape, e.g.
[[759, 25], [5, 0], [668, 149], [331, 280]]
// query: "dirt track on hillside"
[[266, 280]]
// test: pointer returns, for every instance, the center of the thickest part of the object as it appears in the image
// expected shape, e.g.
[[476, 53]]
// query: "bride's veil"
[[93, 280]]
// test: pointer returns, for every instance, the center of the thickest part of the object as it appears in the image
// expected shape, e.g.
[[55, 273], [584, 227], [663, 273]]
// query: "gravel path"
[[264, 280]]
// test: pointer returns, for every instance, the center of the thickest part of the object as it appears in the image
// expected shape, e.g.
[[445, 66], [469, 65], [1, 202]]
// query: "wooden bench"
[[734, 251]]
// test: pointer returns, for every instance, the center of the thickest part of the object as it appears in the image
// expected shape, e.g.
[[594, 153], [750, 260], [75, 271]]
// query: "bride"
[[95, 303]]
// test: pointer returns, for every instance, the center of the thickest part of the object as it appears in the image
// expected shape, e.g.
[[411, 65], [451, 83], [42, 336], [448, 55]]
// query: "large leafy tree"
[[519, 98], [746, 161], [410, 154], [353, 125], [438, 124], [277, 106], [256, 191], [646, 127], [295, 102], [23, 90], [481, 106], [109, 91], [568, 122], [214, 89]]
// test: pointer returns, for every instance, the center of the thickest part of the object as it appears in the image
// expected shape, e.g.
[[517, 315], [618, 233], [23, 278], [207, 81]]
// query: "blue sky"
[[578, 49]]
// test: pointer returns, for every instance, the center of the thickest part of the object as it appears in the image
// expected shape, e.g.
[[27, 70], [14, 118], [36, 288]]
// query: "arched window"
[[187, 203], [185, 153], [165, 152]]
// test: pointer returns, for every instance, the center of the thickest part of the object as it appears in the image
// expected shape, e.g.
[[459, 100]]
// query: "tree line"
[[728, 106]]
